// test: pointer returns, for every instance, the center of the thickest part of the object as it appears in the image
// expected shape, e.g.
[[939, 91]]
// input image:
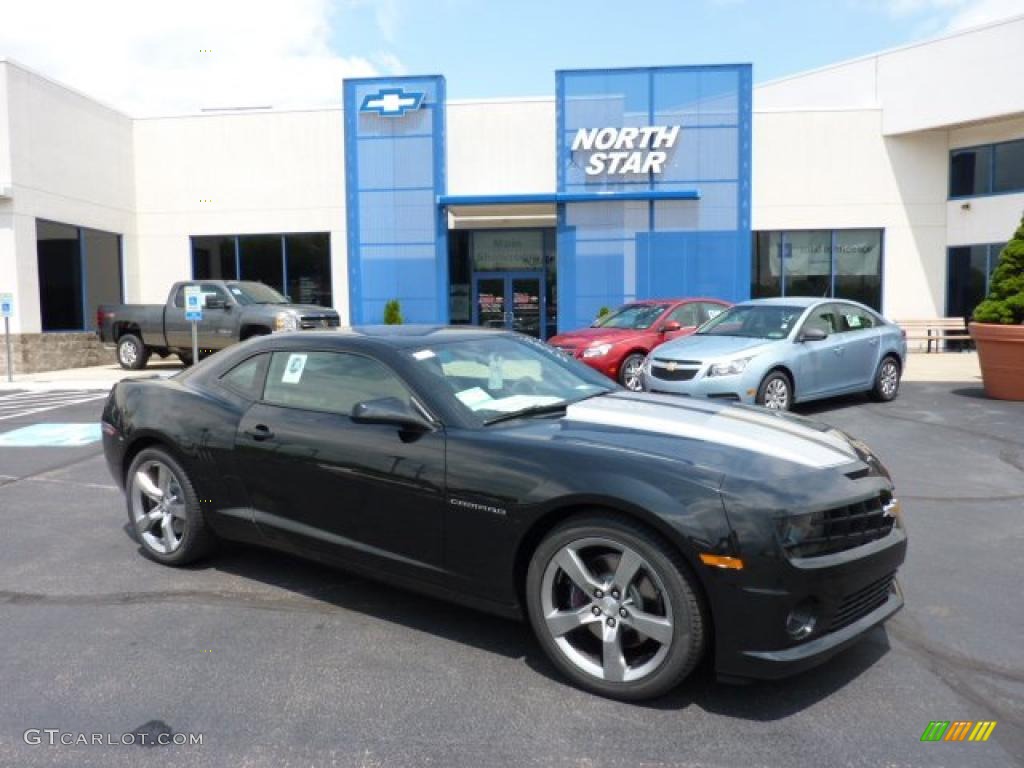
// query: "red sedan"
[[617, 343]]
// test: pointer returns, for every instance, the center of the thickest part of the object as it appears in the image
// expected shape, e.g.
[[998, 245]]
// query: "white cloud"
[[149, 58], [952, 15]]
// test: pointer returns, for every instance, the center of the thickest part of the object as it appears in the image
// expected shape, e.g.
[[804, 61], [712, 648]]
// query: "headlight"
[[286, 321], [597, 351], [730, 368]]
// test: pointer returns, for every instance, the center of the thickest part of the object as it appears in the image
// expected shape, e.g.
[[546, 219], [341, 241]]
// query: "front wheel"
[[631, 372], [775, 392], [615, 608], [132, 353], [887, 380]]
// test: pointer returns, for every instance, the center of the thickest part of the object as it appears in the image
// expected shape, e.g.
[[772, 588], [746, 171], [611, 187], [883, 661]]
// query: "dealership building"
[[892, 179]]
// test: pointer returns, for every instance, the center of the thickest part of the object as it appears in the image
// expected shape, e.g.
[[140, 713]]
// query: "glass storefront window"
[[969, 269], [79, 269], [1008, 164], [986, 170], [807, 263], [298, 265], [842, 263]]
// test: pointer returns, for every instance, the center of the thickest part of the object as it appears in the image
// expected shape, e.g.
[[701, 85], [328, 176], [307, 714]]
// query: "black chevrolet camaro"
[[638, 533]]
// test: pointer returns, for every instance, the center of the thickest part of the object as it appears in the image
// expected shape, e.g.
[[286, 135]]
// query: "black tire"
[[776, 391], [186, 359], [196, 539], [682, 603], [132, 354], [626, 379], [887, 380]]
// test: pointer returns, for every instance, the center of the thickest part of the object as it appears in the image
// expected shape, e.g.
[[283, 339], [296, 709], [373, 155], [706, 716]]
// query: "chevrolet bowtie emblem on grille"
[[670, 366], [392, 102]]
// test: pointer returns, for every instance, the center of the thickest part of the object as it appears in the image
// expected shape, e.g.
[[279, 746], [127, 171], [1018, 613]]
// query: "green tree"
[[602, 312], [393, 313], [1005, 301]]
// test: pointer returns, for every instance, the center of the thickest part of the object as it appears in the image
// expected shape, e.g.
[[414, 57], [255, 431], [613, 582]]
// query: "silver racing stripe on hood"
[[734, 427]]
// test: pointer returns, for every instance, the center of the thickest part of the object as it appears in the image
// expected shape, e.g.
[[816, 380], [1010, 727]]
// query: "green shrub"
[[393, 313], [1005, 301], [602, 312]]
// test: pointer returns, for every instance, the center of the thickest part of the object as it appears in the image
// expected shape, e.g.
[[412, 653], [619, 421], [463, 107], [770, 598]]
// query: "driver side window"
[[823, 318], [329, 381], [687, 315]]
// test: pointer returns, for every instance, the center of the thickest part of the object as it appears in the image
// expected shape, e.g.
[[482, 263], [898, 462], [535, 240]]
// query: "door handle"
[[838, 350], [260, 432], [874, 341]]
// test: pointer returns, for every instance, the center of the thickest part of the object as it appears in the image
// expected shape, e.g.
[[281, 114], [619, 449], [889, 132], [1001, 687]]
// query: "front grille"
[[674, 370], [836, 530], [862, 602], [310, 322]]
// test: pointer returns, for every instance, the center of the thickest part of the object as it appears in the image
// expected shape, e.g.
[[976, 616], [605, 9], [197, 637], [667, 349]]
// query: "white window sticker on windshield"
[[495, 379], [473, 398], [424, 354], [713, 313], [293, 370]]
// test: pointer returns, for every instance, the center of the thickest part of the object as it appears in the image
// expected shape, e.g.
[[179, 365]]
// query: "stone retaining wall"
[[35, 352]]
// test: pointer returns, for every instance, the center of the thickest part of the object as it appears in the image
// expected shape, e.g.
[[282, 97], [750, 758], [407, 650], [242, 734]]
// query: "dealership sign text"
[[627, 150]]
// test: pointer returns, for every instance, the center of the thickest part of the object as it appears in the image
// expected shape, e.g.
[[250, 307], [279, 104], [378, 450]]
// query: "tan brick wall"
[[35, 352]]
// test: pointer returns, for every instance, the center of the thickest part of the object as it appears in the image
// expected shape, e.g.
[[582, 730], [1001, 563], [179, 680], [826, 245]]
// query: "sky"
[[150, 57]]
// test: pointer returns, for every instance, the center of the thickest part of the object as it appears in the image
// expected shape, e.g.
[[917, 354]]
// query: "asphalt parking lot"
[[278, 662]]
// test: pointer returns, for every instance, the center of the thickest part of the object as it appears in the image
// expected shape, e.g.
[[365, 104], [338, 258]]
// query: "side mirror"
[[813, 334], [671, 327], [390, 410], [214, 302]]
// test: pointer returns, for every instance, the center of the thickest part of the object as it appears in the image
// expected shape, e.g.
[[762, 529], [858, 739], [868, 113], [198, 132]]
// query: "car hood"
[[585, 337], [740, 440], [699, 347]]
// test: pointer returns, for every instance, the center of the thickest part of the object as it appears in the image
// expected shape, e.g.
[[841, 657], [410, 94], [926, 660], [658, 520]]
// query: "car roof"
[[401, 336], [685, 300], [787, 301]]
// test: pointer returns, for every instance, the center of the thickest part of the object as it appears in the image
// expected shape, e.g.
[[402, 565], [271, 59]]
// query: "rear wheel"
[[186, 358], [631, 372], [614, 608], [164, 510], [887, 380], [776, 392], [131, 352]]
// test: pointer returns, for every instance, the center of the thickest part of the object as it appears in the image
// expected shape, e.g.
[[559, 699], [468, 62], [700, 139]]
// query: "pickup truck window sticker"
[[424, 354], [293, 370]]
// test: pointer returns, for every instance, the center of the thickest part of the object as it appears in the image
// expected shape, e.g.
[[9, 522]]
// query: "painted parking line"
[[51, 436], [22, 404]]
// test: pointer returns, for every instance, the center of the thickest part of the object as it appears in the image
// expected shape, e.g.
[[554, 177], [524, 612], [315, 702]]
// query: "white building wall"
[[834, 170], [501, 147], [235, 173], [71, 161], [990, 219]]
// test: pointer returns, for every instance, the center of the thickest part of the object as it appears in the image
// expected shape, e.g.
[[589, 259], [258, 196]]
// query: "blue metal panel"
[[394, 172], [655, 235], [570, 197]]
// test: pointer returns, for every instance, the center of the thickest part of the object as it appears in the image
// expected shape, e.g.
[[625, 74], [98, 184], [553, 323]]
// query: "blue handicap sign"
[[51, 436], [194, 315]]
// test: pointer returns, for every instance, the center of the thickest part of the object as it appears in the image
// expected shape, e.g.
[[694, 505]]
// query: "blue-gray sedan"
[[776, 352]]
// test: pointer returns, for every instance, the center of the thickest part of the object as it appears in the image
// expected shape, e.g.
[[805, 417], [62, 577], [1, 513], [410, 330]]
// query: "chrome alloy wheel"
[[607, 610], [158, 507], [889, 378], [776, 395], [128, 352], [632, 374]]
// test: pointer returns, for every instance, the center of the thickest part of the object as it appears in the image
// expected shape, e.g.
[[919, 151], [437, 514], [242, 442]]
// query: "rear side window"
[[246, 378], [711, 311], [854, 319], [329, 381], [823, 318]]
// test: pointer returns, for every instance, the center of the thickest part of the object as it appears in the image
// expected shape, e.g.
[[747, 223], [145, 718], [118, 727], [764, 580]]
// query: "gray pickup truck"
[[234, 311]]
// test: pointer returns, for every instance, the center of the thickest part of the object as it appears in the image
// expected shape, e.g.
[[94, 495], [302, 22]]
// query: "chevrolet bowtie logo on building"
[[392, 102], [958, 730]]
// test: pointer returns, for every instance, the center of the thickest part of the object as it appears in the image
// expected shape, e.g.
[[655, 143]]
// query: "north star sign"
[[627, 150]]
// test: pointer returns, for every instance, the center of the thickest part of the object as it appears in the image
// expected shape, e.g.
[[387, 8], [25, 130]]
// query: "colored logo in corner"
[[392, 102], [958, 730]]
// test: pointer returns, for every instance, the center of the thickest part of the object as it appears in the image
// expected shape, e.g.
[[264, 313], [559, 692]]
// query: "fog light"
[[802, 619]]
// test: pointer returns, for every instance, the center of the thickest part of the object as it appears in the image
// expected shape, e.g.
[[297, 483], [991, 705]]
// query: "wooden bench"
[[937, 330]]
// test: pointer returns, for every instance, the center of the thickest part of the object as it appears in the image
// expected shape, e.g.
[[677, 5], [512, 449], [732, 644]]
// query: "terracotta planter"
[[1001, 355]]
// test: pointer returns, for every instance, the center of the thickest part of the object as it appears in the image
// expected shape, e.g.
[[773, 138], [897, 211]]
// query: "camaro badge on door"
[[480, 507]]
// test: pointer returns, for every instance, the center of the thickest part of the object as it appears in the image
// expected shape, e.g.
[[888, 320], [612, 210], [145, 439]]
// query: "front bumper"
[[850, 593], [604, 364], [738, 388]]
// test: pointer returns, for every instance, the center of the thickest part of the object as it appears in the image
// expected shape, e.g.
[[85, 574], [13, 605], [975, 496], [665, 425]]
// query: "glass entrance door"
[[513, 300]]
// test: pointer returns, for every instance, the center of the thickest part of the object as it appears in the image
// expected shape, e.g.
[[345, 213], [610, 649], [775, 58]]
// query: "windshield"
[[636, 317], [497, 376], [753, 322], [255, 293]]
